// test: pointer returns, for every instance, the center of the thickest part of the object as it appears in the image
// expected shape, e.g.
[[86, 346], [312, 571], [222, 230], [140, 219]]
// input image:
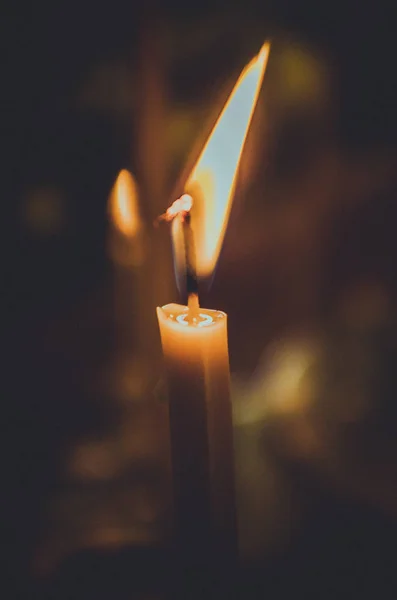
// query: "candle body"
[[197, 371], [127, 372], [128, 257]]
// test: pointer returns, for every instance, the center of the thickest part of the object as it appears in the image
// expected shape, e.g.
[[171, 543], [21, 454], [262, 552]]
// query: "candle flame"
[[123, 204], [212, 180]]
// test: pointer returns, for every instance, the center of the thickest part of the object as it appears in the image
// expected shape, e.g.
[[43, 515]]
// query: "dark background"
[[50, 51], [56, 267]]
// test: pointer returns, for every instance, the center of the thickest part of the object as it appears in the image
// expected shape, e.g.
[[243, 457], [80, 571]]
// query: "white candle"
[[197, 366], [194, 340]]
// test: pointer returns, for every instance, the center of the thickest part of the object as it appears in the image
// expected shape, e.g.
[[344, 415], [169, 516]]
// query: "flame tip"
[[265, 47], [124, 174], [263, 54]]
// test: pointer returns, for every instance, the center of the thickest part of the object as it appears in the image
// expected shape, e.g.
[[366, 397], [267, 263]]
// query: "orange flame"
[[123, 205], [211, 183]]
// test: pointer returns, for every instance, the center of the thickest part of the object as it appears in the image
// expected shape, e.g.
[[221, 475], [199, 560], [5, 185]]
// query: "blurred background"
[[307, 276]]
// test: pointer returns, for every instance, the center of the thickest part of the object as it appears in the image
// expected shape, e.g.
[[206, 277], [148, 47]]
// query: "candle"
[[126, 246], [194, 340], [196, 360]]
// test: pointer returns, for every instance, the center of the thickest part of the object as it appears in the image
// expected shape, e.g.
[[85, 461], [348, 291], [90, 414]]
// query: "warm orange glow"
[[211, 183], [123, 204]]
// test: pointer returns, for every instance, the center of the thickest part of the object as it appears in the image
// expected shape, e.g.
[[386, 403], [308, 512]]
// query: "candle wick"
[[191, 275], [193, 303], [193, 309]]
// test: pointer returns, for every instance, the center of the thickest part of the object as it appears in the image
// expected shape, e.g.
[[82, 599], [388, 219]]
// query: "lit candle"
[[126, 246], [194, 340]]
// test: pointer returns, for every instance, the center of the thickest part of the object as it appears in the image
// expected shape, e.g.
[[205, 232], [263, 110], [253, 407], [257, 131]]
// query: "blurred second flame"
[[126, 243], [211, 183], [123, 205]]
